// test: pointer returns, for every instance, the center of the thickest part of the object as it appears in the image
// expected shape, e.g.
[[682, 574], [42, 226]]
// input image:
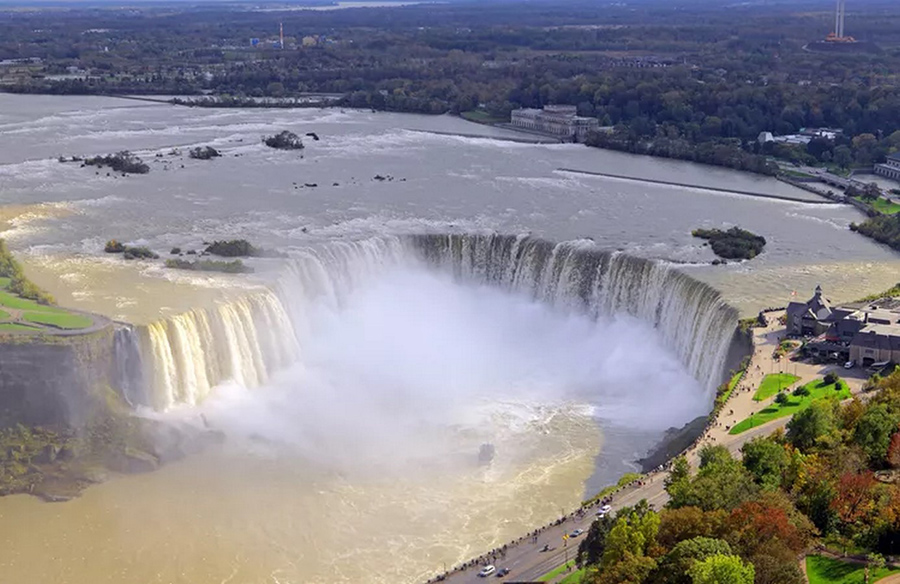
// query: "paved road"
[[527, 563]]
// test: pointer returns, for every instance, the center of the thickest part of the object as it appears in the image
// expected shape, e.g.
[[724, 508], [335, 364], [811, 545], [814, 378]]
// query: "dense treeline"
[[830, 478], [697, 83]]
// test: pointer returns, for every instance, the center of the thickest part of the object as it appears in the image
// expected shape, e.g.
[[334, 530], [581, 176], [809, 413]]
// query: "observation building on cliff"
[[557, 120], [865, 332]]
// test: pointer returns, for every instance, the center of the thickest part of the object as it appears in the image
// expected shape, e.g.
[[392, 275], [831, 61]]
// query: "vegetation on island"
[[823, 570], [204, 153], [130, 252], [882, 228], [735, 243], [284, 140], [123, 161], [233, 267], [233, 248], [830, 480]]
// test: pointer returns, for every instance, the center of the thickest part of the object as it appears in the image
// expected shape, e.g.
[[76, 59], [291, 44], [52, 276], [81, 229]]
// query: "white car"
[[486, 571], [849, 364], [576, 533], [604, 510]]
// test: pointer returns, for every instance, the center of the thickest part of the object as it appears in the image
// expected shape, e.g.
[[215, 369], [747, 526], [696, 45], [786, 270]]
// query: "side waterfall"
[[690, 315], [180, 359]]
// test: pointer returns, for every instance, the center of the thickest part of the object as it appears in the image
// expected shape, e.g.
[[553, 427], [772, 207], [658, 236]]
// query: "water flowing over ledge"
[[180, 359], [690, 315]]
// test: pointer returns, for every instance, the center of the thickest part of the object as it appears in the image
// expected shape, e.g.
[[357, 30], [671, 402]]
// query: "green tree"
[[807, 426], [722, 569], [634, 532], [874, 430], [843, 156], [591, 548], [721, 483], [766, 460], [675, 566]]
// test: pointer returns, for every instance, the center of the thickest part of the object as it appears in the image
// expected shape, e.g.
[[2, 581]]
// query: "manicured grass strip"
[[4, 315], [822, 570], [573, 578], [59, 320], [732, 383], [14, 326], [882, 205], [557, 571], [12, 301], [772, 383], [817, 390]]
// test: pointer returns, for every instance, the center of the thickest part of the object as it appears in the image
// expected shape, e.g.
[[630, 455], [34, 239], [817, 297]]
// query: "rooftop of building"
[[895, 156]]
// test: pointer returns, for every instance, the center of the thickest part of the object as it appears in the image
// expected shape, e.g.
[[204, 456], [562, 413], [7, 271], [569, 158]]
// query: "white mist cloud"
[[417, 367]]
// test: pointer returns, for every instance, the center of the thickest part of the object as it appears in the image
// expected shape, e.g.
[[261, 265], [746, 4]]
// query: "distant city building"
[[558, 120], [310, 41], [890, 169]]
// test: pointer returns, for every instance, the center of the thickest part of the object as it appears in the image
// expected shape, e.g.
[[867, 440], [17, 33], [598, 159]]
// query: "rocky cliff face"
[[55, 381]]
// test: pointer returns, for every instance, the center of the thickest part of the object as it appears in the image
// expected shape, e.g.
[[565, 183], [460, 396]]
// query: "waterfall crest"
[[690, 315], [180, 359]]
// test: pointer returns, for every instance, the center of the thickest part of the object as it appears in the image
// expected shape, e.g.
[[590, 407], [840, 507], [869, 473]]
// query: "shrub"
[[140, 253], [234, 248], [801, 391], [781, 398], [113, 246], [233, 267], [831, 378]]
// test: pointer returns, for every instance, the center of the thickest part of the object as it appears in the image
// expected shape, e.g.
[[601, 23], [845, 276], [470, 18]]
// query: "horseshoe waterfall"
[[179, 360]]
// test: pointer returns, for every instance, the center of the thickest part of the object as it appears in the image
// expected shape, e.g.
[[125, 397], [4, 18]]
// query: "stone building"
[[559, 120], [891, 168], [864, 332]]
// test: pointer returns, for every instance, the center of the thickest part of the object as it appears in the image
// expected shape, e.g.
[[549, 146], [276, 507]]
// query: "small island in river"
[[733, 244]]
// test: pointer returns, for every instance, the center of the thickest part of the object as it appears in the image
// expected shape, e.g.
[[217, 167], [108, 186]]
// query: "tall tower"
[[839, 19], [281, 33]]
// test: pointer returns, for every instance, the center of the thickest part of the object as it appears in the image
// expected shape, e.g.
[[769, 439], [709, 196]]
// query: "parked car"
[[576, 533], [502, 572], [604, 511], [849, 364], [487, 571]]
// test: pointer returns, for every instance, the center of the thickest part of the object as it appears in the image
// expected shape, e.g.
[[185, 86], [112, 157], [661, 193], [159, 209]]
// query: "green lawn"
[[557, 571], [772, 383], [573, 578], [4, 315], [882, 205], [817, 390], [59, 320], [482, 117], [13, 326], [12, 301], [822, 570]]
